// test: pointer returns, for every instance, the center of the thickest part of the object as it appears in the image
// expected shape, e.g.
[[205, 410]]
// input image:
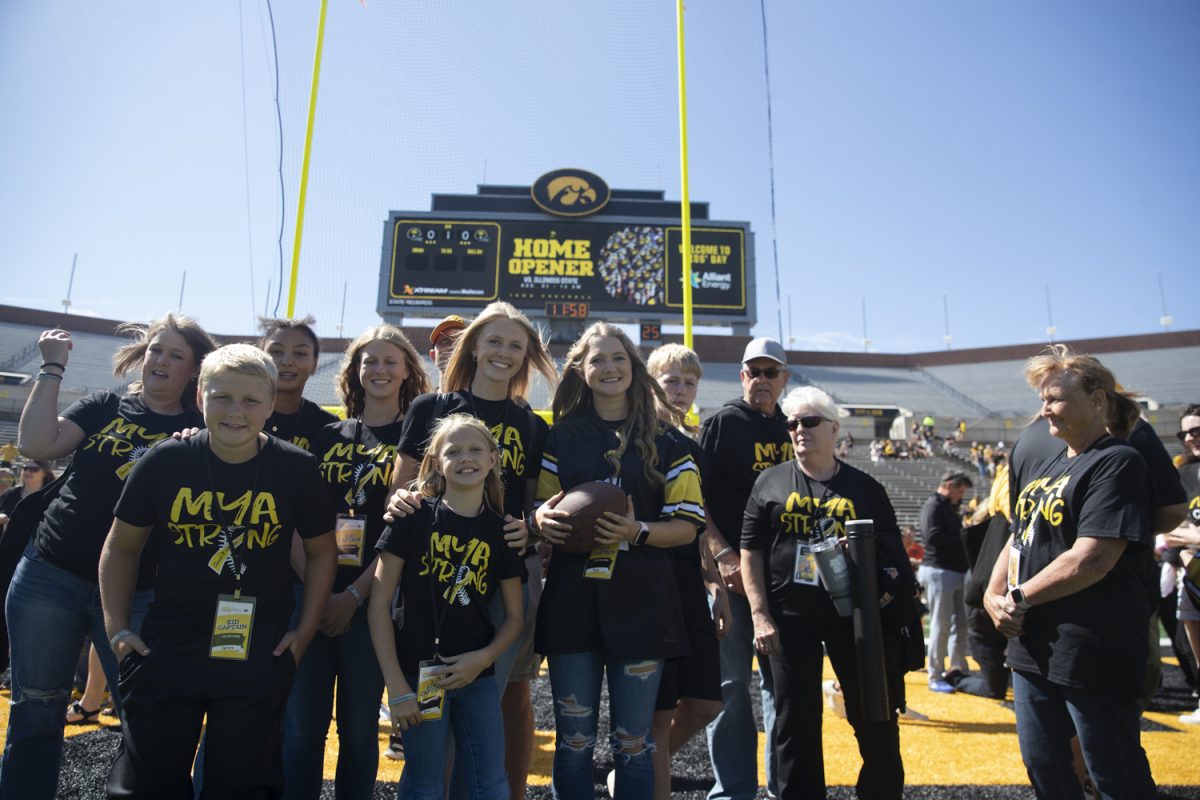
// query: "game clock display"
[[567, 310]]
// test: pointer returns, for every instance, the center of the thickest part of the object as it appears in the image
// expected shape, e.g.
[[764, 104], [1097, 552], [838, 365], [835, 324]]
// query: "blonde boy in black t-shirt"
[[220, 509]]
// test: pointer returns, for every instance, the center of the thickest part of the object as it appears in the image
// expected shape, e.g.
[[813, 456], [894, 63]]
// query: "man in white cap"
[[745, 437]]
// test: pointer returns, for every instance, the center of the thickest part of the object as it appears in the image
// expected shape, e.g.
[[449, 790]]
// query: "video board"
[[621, 269]]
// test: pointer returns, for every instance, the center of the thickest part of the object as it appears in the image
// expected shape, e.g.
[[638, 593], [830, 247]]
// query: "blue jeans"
[[350, 659], [49, 612], [733, 736], [1049, 714], [575, 680], [947, 618], [472, 716]]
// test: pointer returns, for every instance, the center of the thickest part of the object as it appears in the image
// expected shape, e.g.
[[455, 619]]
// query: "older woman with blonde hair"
[[1071, 591]]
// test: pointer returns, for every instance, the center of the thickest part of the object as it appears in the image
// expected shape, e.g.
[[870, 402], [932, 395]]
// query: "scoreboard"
[[621, 269]]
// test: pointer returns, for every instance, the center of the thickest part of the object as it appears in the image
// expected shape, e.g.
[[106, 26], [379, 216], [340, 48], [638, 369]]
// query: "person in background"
[[7, 479], [689, 695], [8, 454], [1187, 536], [34, 475], [943, 572], [53, 602], [295, 348], [442, 340], [745, 437]]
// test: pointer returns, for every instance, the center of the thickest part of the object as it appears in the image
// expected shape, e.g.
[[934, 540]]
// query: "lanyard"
[[460, 576], [824, 523], [231, 532], [503, 424]]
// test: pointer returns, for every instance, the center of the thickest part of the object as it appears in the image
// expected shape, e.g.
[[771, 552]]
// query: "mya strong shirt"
[[190, 497], [118, 430], [452, 566], [1096, 637], [356, 464]]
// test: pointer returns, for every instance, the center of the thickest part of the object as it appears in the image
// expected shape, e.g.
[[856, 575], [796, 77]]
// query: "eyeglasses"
[[804, 422], [1192, 432], [30, 468], [770, 373]]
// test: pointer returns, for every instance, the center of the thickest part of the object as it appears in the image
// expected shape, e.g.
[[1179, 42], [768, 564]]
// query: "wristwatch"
[[642, 535], [1018, 598]]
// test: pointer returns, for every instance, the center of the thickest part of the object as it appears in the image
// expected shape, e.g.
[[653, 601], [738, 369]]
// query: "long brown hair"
[[574, 397], [460, 372], [1121, 413], [350, 387], [432, 483], [131, 355]]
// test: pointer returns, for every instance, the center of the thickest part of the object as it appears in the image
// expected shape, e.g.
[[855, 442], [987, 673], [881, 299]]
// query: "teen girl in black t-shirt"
[[615, 611], [53, 603], [294, 347], [381, 373], [449, 558]]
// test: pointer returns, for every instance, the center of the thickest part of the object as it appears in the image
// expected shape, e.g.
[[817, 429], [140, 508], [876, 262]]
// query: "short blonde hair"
[[812, 397], [1121, 412], [243, 359], [665, 356]]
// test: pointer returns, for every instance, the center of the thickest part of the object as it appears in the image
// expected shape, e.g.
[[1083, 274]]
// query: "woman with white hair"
[[793, 507]]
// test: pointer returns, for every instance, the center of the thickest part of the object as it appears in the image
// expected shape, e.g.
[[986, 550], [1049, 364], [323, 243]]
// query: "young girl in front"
[[616, 611], [449, 558]]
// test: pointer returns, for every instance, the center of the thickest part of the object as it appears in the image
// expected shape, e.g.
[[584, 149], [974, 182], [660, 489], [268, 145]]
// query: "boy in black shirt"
[[221, 508]]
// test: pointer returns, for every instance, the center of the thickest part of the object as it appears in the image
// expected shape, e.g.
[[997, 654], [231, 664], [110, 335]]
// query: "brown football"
[[585, 504]]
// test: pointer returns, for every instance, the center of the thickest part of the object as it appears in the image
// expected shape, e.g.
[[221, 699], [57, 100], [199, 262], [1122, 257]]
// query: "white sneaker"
[[385, 715], [1191, 718], [912, 713], [611, 782], [835, 701]]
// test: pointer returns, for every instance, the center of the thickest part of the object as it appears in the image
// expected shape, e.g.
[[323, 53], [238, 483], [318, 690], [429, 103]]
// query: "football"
[[585, 504]]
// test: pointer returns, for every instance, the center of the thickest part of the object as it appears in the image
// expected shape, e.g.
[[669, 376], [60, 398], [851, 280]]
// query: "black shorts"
[[697, 675]]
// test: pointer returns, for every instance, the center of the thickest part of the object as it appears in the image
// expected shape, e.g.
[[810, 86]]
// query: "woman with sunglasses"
[[34, 475], [794, 506], [1187, 535]]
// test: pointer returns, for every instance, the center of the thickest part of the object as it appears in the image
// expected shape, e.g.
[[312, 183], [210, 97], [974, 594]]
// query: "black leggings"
[[799, 704]]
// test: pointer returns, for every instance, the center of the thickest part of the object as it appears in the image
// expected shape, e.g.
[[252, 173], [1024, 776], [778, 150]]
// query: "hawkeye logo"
[[570, 193]]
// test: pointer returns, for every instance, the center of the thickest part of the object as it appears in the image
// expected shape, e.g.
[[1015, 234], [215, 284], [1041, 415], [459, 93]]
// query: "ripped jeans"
[[632, 686]]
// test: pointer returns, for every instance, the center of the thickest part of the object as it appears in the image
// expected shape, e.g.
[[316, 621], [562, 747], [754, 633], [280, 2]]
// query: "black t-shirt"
[[1189, 476], [740, 442], [452, 567], [358, 476], [941, 531], [1036, 446], [118, 430], [520, 433], [1094, 638], [301, 428], [172, 488], [636, 613], [783, 512]]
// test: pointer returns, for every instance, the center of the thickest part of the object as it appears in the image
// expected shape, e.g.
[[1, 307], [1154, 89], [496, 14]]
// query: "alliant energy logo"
[[570, 193], [712, 280]]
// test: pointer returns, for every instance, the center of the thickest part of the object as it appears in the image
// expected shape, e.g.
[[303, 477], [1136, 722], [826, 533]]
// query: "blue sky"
[[973, 149]]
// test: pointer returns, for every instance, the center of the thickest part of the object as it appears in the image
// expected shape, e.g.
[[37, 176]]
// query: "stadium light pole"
[[1165, 320], [1050, 329], [70, 284], [946, 317], [312, 114], [685, 207], [866, 341]]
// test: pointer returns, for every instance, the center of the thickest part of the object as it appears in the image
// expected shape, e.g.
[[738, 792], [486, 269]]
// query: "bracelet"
[[52, 375], [727, 549], [358, 598], [404, 698], [118, 636], [45, 364]]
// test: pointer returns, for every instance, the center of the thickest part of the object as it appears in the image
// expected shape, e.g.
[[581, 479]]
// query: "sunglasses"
[[30, 468], [1192, 432], [804, 422], [770, 373]]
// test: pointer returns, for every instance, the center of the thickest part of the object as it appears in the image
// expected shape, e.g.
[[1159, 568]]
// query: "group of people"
[[245, 561]]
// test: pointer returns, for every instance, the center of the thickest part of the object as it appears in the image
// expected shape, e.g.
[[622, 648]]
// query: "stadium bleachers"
[[909, 483]]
